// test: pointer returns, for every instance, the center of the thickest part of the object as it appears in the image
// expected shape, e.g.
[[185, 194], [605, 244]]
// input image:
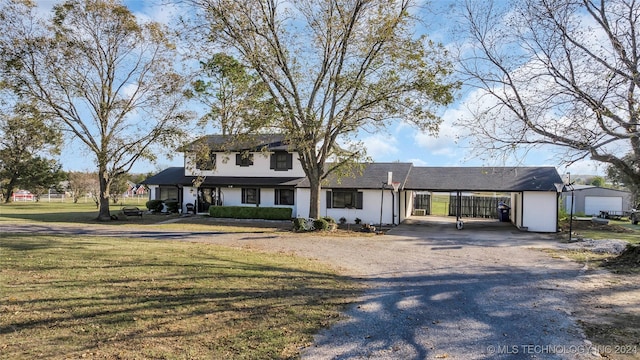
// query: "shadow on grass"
[[62, 297]]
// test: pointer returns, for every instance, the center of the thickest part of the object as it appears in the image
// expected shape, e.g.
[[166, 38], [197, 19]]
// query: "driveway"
[[434, 292]]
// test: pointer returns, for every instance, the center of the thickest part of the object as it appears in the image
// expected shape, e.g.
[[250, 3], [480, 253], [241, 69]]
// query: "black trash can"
[[503, 212]]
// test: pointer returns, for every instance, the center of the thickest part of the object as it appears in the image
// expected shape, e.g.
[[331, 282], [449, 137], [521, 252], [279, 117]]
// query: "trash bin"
[[503, 212]]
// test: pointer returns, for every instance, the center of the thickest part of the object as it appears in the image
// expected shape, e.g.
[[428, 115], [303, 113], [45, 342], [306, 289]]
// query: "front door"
[[206, 198]]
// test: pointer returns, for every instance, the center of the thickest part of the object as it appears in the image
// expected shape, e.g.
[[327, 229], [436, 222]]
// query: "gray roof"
[[256, 142], [371, 176], [175, 176], [503, 179]]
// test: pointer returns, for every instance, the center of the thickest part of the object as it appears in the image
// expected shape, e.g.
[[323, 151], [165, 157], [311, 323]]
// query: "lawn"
[[62, 213], [95, 297]]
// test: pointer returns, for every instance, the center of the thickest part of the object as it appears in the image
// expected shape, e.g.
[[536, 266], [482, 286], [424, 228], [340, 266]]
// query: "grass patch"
[[73, 297]]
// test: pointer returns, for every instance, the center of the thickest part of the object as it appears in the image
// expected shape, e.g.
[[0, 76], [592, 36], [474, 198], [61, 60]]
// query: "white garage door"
[[593, 204]]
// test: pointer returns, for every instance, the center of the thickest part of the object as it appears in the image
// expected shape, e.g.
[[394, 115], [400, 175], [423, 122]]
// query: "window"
[[281, 161], [206, 161], [284, 197], [244, 159], [167, 192], [344, 199], [250, 196]]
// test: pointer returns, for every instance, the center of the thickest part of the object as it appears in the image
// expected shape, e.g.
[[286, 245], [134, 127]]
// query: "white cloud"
[[380, 146], [418, 162]]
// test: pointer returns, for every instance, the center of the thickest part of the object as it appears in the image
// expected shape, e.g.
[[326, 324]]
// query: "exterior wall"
[[540, 211], [226, 166], [369, 214], [189, 196], [581, 194]]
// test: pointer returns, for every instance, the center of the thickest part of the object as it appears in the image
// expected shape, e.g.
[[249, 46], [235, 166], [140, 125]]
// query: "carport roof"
[[369, 176], [500, 179]]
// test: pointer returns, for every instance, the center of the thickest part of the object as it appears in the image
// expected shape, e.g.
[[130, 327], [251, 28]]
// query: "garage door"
[[593, 204]]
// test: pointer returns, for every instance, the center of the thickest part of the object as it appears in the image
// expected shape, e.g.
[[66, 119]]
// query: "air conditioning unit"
[[419, 212]]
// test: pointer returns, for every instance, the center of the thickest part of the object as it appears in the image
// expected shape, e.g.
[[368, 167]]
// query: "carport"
[[531, 192]]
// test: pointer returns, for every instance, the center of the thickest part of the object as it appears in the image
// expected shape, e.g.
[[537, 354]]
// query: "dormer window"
[[206, 160], [281, 161]]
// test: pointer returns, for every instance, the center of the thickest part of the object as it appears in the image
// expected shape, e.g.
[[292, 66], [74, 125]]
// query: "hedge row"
[[250, 212]]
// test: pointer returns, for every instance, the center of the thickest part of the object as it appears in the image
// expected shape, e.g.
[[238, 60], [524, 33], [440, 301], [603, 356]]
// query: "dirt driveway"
[[437, 292]]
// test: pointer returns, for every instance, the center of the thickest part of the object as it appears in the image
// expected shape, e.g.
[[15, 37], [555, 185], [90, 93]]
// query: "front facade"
[[265, 171]]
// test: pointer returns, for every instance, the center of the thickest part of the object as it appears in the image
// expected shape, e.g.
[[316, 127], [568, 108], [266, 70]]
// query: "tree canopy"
[[107, 79], [556, 72], [333, 68], [26, 139]]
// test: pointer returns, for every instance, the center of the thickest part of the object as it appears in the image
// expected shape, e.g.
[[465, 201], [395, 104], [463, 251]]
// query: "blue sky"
[[399, 143]]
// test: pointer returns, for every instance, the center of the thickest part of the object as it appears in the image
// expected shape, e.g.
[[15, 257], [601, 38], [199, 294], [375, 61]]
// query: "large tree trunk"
[[9, 190], [103, 178], [314, 198]]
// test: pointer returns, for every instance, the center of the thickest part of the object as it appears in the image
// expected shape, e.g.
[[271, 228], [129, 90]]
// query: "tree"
[[238, 101], [108, 80], [82, 183], [557, 72], [597, 181], [621, 179], [334, 68], [25, 136], [41, 175]]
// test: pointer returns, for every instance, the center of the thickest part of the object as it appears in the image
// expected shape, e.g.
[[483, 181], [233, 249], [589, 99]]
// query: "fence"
[[477, 206]]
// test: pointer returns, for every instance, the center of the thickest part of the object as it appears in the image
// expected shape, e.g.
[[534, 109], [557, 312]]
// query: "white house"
[[265, 171]]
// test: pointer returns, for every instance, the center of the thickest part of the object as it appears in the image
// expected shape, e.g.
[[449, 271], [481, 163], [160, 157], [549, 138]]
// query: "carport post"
[[458, 205]]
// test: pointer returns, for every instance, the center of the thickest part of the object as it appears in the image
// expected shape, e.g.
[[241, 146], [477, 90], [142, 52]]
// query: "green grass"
[[75, 297], [86, 213]]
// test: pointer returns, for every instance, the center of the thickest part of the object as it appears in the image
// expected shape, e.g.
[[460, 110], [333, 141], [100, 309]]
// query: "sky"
[[400, 142]]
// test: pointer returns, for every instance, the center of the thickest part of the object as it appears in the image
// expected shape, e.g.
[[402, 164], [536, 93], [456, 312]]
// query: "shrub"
[[250, 212], [343, 220], [330, 220], [172, 206], [299, 224], [358, 220], [321, 224], [154, 205]]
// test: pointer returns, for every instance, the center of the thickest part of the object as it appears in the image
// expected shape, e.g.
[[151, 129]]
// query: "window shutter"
[[289, 161], [328, 199], [273, 161], [359, 200], [238, 159]]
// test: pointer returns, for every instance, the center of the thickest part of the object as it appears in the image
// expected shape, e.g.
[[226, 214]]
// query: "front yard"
[[118, 298]]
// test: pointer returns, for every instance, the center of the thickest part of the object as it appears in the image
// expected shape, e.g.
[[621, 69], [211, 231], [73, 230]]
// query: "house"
[[265, 171], [134, 190], [590, 200]]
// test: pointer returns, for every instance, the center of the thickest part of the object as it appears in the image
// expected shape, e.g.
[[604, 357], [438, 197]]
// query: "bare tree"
[[107, 79], [82, 183], [556, 72], [334, 68]]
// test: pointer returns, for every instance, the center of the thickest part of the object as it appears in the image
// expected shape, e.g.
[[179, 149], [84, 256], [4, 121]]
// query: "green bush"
[[250, 212], [154, 205], [172, 206], [330, 220], [299, 224], [321, 224]]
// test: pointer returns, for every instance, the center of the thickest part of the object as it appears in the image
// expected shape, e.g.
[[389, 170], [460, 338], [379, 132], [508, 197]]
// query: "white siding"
[[539, 211], [226, 166], [369, 214], [189, 196]]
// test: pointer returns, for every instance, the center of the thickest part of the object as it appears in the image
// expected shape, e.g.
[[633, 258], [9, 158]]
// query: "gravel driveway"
[[434, 292]]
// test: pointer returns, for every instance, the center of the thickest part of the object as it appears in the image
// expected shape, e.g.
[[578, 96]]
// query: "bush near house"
[[154, 205], [246, 212]]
